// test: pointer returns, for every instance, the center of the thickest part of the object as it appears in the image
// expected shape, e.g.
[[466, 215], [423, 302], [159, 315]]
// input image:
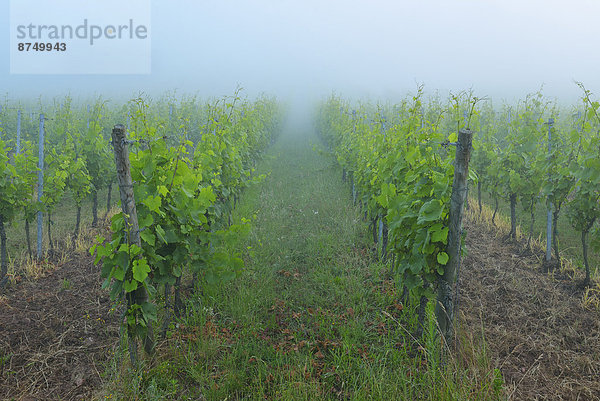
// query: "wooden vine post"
[[40, 188], [447, 306], [550, 206], [139, 296]]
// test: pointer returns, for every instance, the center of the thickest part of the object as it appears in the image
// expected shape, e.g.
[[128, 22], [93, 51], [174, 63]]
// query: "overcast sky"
[[375, 48]]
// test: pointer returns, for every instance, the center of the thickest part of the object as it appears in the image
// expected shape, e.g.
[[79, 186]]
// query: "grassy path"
[[312, 317], [307, 310]]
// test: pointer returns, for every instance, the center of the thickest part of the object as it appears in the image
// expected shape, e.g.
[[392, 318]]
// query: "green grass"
[[313, 316]]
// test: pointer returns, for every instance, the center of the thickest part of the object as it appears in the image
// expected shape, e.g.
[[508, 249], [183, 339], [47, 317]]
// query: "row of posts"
[[40, 191], [550, 124], [40, 172]]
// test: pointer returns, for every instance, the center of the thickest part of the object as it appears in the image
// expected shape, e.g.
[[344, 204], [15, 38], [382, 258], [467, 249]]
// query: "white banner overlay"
[[80, 37]]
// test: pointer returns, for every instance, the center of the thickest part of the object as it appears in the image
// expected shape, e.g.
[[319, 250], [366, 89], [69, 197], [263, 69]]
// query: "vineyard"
[[208, 250], [400, 171]]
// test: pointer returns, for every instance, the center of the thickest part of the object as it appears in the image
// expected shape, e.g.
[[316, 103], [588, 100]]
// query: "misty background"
[[306, 49]]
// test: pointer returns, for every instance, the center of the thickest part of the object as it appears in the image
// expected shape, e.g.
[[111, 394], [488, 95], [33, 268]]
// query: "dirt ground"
[[545, 343], [56, 334]]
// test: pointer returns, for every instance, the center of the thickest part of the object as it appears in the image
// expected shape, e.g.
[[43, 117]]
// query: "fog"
[[305, 49]]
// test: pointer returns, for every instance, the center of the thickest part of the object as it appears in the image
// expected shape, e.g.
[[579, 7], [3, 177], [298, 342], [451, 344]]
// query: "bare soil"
[[56, 334], [545, 343]]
